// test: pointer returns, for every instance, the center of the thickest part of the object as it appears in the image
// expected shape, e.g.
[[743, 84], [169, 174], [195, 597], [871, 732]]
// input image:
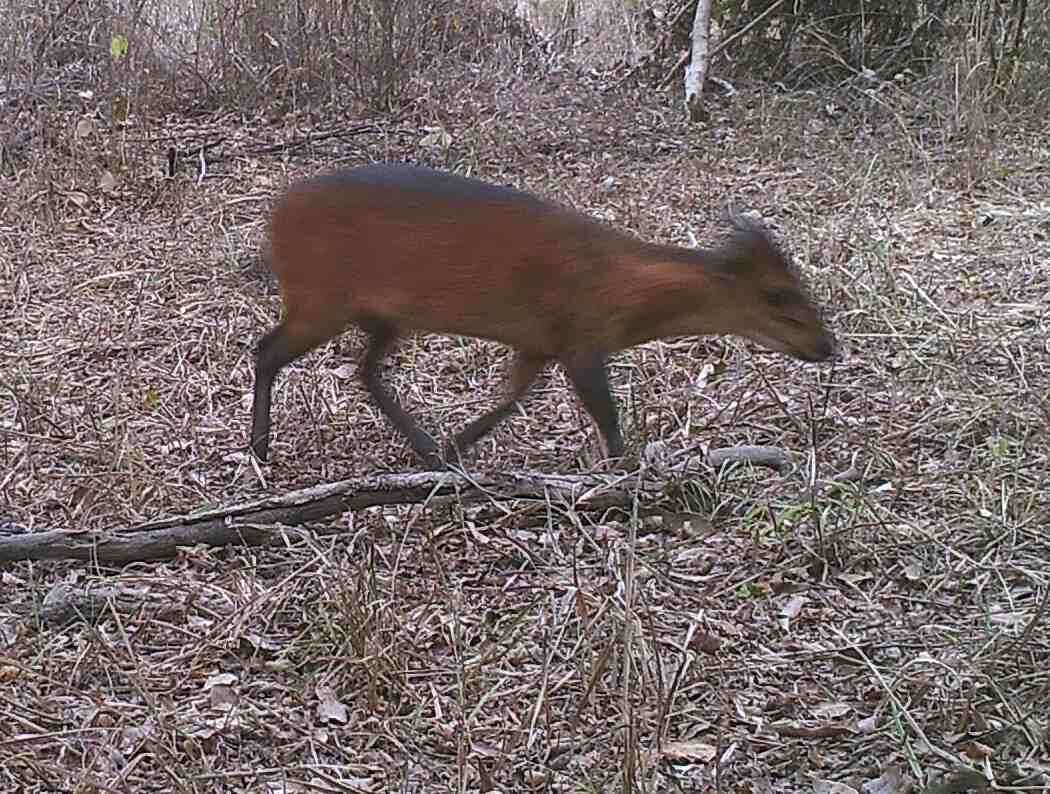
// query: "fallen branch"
[[211, 152], [286, 147], [264, 521]]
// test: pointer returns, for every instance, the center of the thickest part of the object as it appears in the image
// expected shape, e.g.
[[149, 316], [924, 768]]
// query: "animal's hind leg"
[[523, 372], [281, 346], [588, 374], [383, 336]]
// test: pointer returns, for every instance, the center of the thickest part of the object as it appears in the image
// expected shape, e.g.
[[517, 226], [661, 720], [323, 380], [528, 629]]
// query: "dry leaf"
[[698, 752], [868, 724], [345, 371], [485, 750], [329, 708], [913, 572], [436, 137], [85, 127], [832, 787], [890, 782], [220, 679], [705, 642], [222, 697], [535, 778], [832, 710], [976, 751], [78, 198], [793, 608]]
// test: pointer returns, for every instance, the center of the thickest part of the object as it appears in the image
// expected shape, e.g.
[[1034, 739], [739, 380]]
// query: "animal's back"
[[432, 251]]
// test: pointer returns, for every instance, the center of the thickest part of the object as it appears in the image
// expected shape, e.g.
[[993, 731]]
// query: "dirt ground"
[[875, 615]]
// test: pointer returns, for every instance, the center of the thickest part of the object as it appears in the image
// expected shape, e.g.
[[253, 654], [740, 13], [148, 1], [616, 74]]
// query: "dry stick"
[[306, 140], [203, 152], [264, 521], [811, 475], [667, 702], [628, 637]]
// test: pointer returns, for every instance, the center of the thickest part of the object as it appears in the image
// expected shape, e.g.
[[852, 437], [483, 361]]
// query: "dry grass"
[[883, 607]]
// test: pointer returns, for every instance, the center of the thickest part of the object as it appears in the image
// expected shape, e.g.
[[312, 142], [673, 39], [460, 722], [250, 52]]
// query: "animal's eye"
[[780, 298]]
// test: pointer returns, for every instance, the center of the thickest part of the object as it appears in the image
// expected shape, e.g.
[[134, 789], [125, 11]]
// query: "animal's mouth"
[[809, 355], [819, 351]]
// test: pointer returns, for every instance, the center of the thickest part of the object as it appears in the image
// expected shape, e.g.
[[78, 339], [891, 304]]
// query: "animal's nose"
[[825, 348], [821, 350]]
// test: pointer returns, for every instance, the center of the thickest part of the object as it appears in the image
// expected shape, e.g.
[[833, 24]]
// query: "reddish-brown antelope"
[[399, 249]]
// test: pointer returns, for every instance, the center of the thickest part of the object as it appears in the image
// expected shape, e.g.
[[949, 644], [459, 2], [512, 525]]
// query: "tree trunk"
[[696, 71]]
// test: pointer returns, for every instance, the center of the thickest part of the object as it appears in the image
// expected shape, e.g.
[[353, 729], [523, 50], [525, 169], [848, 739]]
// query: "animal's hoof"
[[452, 457], [432, 461]]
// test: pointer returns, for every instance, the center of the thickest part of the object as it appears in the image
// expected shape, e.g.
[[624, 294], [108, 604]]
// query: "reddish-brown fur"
[[399, 249]]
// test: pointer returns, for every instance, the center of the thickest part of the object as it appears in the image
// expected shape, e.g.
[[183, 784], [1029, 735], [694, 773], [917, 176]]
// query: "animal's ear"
[[750, 232], [752, 246], [738, 256], [743, 223]]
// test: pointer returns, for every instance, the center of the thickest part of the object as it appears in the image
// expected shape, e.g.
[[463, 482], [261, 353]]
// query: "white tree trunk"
[[523, 8], [696, 71]]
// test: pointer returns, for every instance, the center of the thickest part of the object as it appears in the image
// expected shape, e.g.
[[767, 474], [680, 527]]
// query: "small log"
[[263, 521]]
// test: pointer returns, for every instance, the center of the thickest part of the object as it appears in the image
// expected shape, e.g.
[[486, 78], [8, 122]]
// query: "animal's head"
[[771, 303]]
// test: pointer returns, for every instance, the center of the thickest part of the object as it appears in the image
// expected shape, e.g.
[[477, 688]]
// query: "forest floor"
[[878, 612]]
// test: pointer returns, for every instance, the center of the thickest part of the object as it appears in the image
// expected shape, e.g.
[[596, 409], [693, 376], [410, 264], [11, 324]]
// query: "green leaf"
[[118, 46]]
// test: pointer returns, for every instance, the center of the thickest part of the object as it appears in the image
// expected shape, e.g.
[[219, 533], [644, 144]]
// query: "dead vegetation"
[[878, 612]]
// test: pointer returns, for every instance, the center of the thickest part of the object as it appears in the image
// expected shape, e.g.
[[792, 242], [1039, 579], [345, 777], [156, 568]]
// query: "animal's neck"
[[670, 293]]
